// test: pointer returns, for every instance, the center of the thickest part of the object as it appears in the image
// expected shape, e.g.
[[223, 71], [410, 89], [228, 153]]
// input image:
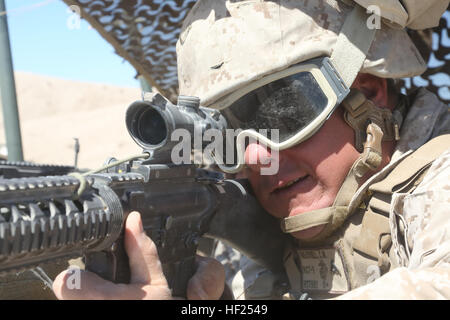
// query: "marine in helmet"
[[363, 175]]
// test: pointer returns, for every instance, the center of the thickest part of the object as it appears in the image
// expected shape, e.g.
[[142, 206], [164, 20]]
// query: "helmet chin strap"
[[371, 125]]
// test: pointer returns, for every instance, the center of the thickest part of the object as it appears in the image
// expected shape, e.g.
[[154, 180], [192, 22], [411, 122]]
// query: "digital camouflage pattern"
[[225, 45], [424, 264], [424, 271]]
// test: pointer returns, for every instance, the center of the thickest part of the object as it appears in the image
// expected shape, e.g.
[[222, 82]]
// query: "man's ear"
[[374, 88]]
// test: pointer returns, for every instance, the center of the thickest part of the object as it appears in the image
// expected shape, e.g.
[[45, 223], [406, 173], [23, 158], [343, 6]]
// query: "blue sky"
[[47, 39]]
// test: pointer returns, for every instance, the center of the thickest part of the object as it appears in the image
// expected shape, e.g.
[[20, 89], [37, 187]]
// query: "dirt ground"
[[54, 111]]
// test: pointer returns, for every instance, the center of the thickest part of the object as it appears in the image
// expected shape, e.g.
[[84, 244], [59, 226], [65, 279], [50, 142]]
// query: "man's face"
[[310, 173]]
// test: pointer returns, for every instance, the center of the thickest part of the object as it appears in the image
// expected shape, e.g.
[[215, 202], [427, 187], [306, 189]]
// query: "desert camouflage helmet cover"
[[225, 45]]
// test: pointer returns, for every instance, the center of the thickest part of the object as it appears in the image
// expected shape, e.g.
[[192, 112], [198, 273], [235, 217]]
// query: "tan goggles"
[[296, 102], [288, 105]]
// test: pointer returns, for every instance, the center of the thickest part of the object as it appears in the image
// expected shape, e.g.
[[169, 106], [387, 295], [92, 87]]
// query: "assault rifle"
[[43, 219]]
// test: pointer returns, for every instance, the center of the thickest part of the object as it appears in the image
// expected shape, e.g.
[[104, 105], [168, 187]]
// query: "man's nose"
[[258, 156]]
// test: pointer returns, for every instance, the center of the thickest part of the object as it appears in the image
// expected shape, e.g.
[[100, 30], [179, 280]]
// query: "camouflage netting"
[[145, 33], [434, 45]]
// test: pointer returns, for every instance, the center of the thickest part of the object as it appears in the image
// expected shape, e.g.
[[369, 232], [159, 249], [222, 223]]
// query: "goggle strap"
[[352, 46]]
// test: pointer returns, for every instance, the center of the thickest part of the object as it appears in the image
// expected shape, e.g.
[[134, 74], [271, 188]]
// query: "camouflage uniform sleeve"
[[425, 273]]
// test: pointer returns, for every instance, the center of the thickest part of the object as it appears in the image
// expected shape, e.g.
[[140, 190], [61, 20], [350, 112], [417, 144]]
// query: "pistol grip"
[[113, 265], [178, 274]]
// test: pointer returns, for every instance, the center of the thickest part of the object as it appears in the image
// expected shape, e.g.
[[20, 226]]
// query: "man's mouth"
[[289, 184]]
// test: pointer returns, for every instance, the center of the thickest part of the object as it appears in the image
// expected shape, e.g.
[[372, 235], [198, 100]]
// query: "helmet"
[[225, 45]]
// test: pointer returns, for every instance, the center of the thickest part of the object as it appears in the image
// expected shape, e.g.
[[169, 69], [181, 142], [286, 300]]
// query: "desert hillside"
[[54, 111]]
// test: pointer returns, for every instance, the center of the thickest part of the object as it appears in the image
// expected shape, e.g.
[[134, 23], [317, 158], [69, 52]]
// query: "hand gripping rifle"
[[60, 217]]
